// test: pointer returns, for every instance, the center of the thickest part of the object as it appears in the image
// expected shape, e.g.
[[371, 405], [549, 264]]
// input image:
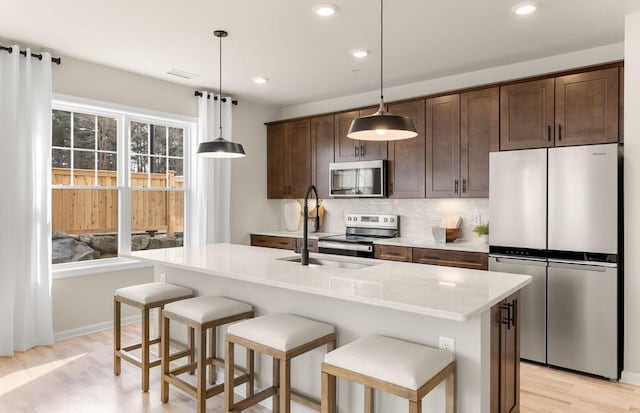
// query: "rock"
[[107, 244], [84, 252], [58, 235], [69, 249], [179, 242], [86, 238], [139, 242], [161, 241]]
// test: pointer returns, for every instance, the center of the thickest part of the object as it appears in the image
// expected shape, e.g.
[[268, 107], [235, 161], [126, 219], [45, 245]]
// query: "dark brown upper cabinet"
[[442, 134], [479, 135], [526, 115], [322, 152], [348, 150], [587, 108], [406, 166], [288, 159]]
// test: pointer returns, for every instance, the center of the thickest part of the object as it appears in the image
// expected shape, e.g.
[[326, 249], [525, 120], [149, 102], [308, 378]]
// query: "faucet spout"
[[305, 225]]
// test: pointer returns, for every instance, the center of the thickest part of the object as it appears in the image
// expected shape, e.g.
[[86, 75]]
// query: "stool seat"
[[152, 292], [394, 361], [207, 308], [282, 332]]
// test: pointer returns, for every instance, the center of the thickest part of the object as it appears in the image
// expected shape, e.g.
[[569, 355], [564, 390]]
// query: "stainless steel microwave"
[[365, 179]]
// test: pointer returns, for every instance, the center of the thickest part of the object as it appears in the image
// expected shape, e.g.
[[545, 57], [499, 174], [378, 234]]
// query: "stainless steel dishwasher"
[[583, 316], [533, 303]]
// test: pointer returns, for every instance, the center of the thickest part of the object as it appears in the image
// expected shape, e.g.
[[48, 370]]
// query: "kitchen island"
[[413, 302]]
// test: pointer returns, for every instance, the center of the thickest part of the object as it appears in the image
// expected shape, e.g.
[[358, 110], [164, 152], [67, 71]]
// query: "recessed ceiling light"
[[260, 80], [523, 9], [325, 9], [360, 54]]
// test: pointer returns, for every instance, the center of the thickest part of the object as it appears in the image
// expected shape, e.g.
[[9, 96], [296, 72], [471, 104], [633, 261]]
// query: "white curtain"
[[210, 190], [25, 207]]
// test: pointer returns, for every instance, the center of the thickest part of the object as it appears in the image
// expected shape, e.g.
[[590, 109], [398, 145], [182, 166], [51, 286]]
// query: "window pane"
[[175, 166], [139, 163], [139, 138], [158, 165], [85, 224], [107, 161], [60, 158], [84, 160], [61, 128], [84, 131], [158, 140], [107, 134], [175, 141], [157, 219]]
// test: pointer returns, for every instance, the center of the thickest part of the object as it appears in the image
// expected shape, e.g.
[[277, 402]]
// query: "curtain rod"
[[198, 93], [38, 56]]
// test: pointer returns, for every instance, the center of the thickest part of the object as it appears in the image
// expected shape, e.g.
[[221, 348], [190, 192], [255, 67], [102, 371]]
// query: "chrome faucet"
[[305, 233]]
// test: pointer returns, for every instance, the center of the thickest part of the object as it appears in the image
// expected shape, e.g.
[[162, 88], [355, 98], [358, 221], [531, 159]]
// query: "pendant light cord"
[[381, 55], [220, 87]]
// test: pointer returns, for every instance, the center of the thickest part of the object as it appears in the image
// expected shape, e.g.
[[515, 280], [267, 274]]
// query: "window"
[[101, 157]]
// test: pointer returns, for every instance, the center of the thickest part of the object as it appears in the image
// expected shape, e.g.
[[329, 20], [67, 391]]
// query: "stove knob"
[[355, 218], [392, 219], [348, 218], [385, 220]]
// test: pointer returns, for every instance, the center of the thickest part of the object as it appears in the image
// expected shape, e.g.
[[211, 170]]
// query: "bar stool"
[[283, 337], [144, 297], [202, 314], [405, 369]]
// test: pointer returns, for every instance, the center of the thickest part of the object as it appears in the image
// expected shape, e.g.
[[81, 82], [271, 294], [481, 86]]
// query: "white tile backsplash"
[[417, 215]]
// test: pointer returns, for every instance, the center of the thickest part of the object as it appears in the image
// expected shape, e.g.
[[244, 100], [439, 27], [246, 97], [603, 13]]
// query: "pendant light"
[[382, 125], [220, 147]]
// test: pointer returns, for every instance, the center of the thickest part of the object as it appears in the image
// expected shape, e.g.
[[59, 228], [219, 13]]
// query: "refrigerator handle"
[[582, 267], [456, 186], [540, 262]]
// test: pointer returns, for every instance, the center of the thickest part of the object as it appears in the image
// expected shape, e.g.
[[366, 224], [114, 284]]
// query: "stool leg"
[[145, 349], [450, 388], [201, 388], [251, 370], [275, 402], [117, 338], [285, 386], [213, 345], [368, 399], [328, 404], [192, 348], [415, 407], [165, 362], [229, 377]]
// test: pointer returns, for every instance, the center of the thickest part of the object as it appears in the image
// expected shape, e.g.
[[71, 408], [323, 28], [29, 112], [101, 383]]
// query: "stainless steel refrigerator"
[[555, 216]]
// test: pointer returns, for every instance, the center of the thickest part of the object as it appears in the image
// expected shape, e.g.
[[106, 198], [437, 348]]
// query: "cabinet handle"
[[559, 132], [364, 149], [390, 187], [356, 151], [549, 133], [510, 320], [456, 186], [464, 185]]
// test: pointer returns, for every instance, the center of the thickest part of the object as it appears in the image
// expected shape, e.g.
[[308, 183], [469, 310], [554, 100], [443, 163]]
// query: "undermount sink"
[[329, 263]]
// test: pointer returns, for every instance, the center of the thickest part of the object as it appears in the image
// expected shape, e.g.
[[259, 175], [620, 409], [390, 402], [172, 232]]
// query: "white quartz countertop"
[[443, 292], [458, 245]]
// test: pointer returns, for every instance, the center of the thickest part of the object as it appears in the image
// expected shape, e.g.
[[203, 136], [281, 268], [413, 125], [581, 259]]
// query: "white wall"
[[632, 198]]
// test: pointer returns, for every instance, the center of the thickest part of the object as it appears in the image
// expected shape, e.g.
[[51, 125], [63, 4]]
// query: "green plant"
[[482, 229]]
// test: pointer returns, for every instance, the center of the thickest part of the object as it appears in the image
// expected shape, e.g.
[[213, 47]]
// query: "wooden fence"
[[78, 211]]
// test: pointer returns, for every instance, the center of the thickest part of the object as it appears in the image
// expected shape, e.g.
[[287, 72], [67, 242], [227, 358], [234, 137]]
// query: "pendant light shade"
[[382, 125], [220, 147]]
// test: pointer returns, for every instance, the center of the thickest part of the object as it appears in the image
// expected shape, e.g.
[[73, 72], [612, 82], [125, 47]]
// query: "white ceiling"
[[307, 57]]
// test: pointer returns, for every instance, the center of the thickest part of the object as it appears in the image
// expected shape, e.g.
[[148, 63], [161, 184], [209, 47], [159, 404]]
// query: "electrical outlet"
[[446, 343], [474, 219], [163, 278]]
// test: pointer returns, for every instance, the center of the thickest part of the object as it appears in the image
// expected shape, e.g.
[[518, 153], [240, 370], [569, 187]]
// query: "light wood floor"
[[76, 376]]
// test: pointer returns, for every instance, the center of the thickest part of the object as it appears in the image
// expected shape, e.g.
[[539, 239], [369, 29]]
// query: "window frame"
[[124, 115]]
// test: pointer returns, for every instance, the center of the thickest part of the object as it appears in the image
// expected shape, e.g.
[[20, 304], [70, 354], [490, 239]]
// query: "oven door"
[[357, 179], [351, 249]]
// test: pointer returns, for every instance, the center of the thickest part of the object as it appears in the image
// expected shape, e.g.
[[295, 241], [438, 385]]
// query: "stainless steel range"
[[361, 232]]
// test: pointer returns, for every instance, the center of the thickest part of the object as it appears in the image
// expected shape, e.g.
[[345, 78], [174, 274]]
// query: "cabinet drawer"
[[313, 244], [473, 260], [392, 253], [272, 242]]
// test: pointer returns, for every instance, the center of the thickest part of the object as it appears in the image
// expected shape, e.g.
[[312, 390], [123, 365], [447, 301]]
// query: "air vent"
[[181, 73]]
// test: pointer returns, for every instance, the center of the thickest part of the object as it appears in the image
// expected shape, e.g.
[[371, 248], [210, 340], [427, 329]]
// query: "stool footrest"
[[305, 400], [253, 400], [191, 389], [192, 366], [139, 345]]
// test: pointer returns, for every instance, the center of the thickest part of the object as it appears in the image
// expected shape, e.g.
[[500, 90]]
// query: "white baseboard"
[[630, 377], [93, 328]]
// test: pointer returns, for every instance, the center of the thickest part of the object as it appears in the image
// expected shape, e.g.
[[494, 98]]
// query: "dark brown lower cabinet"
[[285, 243], [505, 355], [313, 244], [393, 253], [447, 258]]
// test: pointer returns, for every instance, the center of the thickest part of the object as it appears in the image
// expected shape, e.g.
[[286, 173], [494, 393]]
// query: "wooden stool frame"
[[124, 353], [280, 389], [330, 373], [200, 362]]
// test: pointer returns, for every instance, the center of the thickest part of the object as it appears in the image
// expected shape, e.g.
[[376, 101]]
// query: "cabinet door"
[[346, 150], [277, 161], [406, 157], [299, 154], [443, 147], [322, 153], [526, 115], [587, 108], [371, 150], [505, 355], [393, 253], [479, 135], [273, 242]]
